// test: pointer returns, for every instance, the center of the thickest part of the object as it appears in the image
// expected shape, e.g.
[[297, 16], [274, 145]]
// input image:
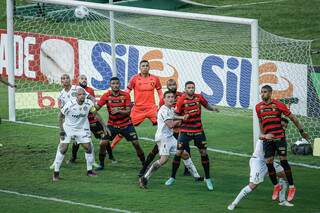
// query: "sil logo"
[[268, 74], [156, 58]]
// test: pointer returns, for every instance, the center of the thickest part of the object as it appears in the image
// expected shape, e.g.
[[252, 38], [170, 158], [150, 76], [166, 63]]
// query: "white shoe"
[[52, 166], [286, 203], [232, 206]]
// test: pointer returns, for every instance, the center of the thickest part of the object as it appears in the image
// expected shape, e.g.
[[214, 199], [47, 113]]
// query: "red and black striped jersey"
[[269, 115], [91, 116], [178, 95], [121, 101], [191, 107]]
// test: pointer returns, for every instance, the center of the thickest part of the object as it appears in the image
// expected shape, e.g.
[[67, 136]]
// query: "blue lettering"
[[133, 60], [121, 50], [232, 82], [212, 79], [245, 83]]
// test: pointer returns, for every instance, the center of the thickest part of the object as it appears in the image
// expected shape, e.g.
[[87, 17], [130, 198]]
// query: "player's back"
[[163, 131]]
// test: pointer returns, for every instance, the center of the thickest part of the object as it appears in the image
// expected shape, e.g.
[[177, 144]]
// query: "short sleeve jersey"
[[163, 131], [178, 95], [76, 116], [191, 107], [121, 101], [143, 88], [66, 96], [270, 114]]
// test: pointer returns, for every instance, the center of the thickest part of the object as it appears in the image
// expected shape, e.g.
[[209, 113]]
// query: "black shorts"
[[97, 130], [128, 132], [199, 139], [270, 147]]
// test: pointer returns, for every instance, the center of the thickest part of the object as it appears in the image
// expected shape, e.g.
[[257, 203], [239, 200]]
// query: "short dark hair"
[[114, 79], [168, 92], [189, 82], [285, 120], [267, 87], [143, 61]]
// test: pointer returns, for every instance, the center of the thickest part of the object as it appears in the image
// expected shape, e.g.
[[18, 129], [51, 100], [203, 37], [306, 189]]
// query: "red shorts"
[[139, 114]]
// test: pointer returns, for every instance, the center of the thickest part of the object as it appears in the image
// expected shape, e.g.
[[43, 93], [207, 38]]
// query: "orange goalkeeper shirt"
[[143, 88]]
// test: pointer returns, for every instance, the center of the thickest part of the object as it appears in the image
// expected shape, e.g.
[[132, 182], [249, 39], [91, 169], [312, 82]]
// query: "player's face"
[[144, 67], [190, 89], [81, 96], [265, 94], [115, 85], [169, 99], [172, 86], [83, 81], [65, 80]]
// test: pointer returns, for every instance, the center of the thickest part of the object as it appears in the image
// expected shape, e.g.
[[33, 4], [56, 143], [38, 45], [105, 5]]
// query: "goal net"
[[51, 40]]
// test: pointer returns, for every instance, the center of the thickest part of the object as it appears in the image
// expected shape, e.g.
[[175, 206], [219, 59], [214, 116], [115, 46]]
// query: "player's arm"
[[159, 88], [206, 105], [61, 121], [295, 121], [94, 111], [6, 83]]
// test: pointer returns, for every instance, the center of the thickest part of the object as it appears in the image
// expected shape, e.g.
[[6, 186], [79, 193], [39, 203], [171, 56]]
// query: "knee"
[[104, 143], [185, 155], [269, 160], [203, 152]]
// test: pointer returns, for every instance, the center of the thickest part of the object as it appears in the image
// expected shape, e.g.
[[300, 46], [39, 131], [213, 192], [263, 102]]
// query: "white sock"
[[282, 193], [90, 160], [244, 192], [192, 169], [58, 160], [154, 167]]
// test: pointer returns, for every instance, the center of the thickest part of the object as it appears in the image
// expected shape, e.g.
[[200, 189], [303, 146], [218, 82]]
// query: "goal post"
[[252, 36]]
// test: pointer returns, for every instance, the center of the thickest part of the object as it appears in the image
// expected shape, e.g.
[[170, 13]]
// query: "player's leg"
[[186, 170], [192, 170], [74, 151], [62, 149], [89, 158], [200, 143], [282, 152], [103, 146], [152, 154], [258, 170], [130, 135], [152, 115], [164, 152]]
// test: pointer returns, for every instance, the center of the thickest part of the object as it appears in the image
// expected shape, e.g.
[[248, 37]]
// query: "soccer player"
[[166, 142], [172, 87], [143, 85], [269, 112], [118, 106], [74, 123], [95, 126], [258, 170], [191, 129]]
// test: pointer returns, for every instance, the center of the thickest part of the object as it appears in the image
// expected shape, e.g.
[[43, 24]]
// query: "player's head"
[[189, 87], [169, 97], [144, 67], [81, 95], [83, 81], [266, 92], [284, 123], [172, 85], [65, 80], [114, 84]]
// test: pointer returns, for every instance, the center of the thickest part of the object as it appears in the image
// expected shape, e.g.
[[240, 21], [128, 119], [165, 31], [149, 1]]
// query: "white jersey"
[[258, 151], [66, 96], [163, 131], [76, 116]]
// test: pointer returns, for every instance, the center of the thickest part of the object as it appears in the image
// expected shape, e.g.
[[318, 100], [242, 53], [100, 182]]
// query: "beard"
[[83, 85]]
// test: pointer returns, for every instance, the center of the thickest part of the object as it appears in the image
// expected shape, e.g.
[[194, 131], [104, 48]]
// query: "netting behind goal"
[[50, 40]]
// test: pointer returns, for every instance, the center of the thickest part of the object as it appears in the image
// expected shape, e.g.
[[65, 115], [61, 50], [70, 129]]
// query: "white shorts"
[[259, 169], [167, 146], [80, 136]]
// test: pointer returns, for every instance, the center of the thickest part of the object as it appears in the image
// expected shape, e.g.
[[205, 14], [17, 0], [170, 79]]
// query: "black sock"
[[206, 165], [109, 150], [175, 165], [75, 148], [287, 170], [150, 158], [272, 173], [102, 154]]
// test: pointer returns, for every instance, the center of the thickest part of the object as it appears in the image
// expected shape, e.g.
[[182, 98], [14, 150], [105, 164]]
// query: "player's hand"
[[266, 137], [107, 131], [186, 116], [114, 111]]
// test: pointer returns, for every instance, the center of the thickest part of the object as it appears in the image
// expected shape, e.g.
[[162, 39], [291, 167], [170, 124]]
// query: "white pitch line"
[[64, 201], [209, 149]]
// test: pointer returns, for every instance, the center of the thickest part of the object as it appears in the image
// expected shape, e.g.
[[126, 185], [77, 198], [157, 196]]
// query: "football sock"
[[190, 166], [154, 167], [206, 166], [243, 193], [175, 165], [287, 170], [272, 173]]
